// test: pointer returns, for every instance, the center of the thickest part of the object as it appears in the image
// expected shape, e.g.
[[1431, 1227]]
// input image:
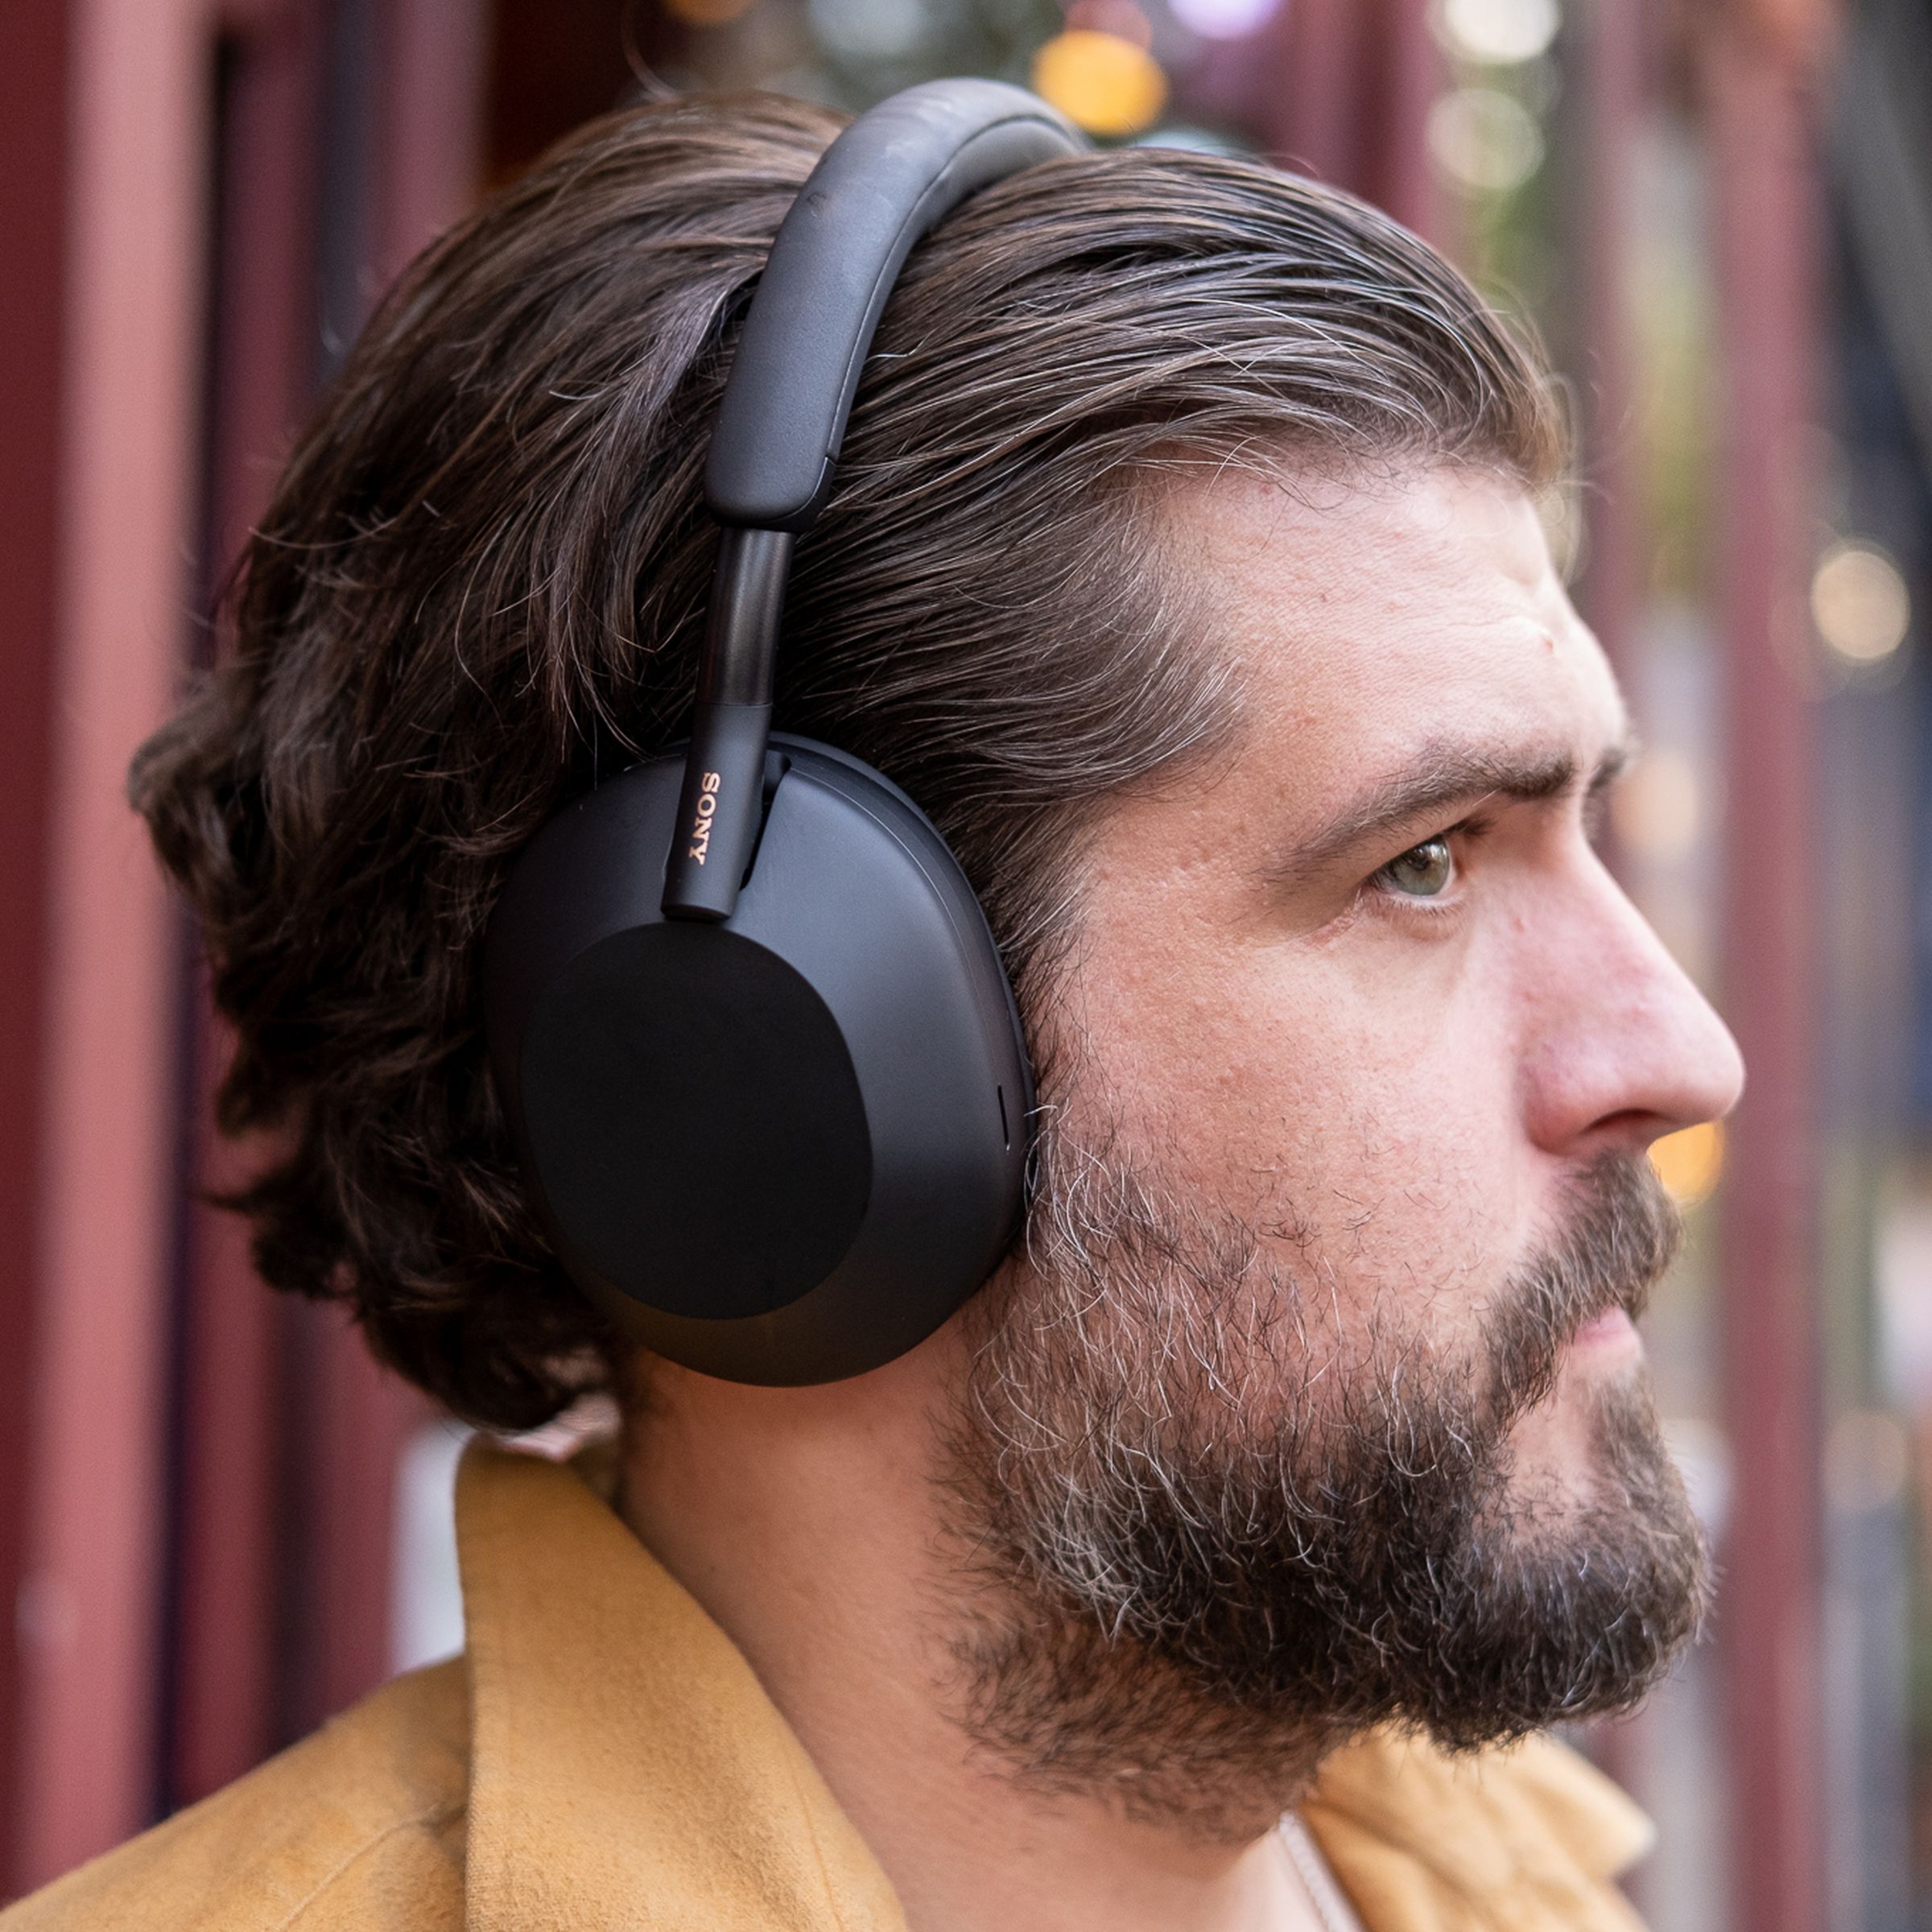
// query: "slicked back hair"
[[481, 586]]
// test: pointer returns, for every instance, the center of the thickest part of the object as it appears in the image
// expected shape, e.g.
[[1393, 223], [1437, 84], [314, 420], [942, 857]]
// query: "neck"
[[806, 1523]]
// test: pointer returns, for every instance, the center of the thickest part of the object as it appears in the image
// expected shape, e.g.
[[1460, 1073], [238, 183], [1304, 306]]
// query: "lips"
[[1612, 1326]]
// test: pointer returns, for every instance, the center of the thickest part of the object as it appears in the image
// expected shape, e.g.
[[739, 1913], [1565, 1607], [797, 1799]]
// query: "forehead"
[[1369, 618]]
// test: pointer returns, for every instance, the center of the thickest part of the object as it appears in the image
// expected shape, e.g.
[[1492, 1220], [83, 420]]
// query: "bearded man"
[[1212, 1566]]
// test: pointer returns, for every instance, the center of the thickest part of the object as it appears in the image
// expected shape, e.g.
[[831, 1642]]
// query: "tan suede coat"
[[602, 1758]]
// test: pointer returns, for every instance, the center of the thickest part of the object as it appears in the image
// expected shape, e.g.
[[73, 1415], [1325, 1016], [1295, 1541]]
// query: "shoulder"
[[1421, 1837], [360, 1825]]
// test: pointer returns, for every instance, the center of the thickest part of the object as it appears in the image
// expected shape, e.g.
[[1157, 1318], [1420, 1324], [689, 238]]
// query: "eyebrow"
[[1445, 776]]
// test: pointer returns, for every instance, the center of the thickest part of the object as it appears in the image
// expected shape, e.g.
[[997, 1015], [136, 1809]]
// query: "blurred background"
[[219, 1523]]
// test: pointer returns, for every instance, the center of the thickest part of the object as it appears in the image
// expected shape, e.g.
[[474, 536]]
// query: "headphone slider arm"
[[720, 810]]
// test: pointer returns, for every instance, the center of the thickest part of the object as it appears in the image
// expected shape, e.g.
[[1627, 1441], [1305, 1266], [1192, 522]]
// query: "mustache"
[[1617, 1243]]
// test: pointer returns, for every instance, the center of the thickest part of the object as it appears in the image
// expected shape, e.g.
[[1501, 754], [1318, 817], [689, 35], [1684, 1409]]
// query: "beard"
[[1215, 1536]]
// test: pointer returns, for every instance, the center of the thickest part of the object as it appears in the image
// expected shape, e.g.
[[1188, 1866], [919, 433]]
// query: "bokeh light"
[[1499, 33], [1484, 140], [1224, 19], [870, 29], [708, 13], [1690, 1163], [1859, 603], [1100, 82]]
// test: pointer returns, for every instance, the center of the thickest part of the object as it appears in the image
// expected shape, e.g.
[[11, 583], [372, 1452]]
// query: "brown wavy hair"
[[481, 581]]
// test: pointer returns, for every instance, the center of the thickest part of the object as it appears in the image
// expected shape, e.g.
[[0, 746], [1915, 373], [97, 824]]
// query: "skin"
[[1401, 1083]]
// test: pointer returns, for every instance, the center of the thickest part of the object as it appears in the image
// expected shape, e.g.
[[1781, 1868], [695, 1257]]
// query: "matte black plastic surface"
[[868, 930], [710, 1208], [894, 172], [747, 604]]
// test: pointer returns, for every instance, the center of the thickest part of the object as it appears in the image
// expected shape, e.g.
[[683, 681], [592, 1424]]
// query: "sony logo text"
[[708, 806]]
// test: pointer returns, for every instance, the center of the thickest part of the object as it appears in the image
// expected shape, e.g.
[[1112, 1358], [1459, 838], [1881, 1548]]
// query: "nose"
[[1623, 1048]]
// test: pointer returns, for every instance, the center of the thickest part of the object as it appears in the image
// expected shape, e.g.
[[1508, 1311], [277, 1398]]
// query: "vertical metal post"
[[286, 1421], [35, 55], [1308, 110], [436, 73], [1763, 235], [1407, 75], [1606, 77], [1610, 44], [90, 1610], [222, 1676], [1344, 91]]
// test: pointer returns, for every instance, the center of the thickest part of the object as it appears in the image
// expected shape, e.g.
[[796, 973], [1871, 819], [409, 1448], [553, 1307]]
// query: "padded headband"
[[885, 181]]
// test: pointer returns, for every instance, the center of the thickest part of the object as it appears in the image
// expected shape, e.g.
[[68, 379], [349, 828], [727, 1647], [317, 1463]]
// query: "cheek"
[[1269, 1082]]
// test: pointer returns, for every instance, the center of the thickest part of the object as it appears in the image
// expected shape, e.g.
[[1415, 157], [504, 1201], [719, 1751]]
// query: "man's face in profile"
[[1317, 1399]]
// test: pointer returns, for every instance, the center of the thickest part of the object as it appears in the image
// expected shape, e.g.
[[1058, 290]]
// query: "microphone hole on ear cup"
[[1006, 1126]]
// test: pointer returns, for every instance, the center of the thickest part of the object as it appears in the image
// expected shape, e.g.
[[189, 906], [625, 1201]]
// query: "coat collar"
[[1521, 1839], [627, 1769]]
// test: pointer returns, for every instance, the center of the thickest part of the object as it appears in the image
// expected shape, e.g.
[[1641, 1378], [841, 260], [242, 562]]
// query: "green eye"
[[1423, 871]]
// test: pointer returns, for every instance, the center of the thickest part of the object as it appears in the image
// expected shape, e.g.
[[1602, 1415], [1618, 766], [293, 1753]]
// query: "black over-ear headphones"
[[750, 1030]]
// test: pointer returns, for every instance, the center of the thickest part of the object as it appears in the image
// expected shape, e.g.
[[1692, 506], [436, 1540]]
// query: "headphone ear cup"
[[750, 1190], [785, 1147]]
